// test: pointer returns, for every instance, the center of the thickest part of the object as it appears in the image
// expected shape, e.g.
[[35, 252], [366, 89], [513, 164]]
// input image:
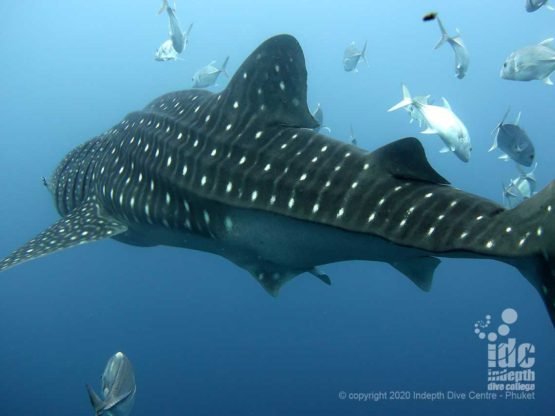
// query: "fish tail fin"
[[444, 36], [363, 53], [96, 401], [163, 7], [537, 215], [405, 102], [189, 30], [224, 65]]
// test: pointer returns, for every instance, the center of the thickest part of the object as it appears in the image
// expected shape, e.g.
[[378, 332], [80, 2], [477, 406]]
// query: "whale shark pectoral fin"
[[82, 225], [420, 270]]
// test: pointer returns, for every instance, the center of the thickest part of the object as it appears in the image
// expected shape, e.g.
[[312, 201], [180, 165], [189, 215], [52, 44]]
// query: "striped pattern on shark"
[[242, 174]]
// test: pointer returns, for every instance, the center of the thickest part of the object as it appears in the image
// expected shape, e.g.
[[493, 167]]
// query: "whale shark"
[[242, 174]]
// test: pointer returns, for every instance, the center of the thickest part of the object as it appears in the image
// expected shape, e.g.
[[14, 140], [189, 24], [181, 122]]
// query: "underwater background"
[[203, 336]]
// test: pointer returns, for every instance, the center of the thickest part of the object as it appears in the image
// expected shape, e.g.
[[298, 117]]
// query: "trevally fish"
[[318, 115], [118, 388], [535, 62], [514, 142], [241, 174], [208, 75], [461, 53], [520, 188], [352, 56], [533, 5], [441, 121], [166, 52], [176, 34]]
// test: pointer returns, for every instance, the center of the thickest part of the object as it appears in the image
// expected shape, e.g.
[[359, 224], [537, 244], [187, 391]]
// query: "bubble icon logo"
[[509, 362]]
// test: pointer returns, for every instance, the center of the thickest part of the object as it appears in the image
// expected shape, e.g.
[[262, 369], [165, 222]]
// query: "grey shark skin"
[[242, 174]]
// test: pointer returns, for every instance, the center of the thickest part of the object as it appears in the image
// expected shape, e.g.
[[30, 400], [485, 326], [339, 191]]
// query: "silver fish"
[[176, 34], [352, 56], [462, 59], [514, 142], [118, 388], [535, 62], [166, 52], [208, 75]]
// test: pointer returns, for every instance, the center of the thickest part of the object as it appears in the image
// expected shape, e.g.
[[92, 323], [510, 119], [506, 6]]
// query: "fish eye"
[[504, 64]]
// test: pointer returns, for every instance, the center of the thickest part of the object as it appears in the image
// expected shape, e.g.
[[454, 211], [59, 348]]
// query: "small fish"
[[352, 56], [352, 137], [429, 16], [461, 53], [440, 120], [535, 62], [533, 5], [520, 188], [176, 34], [118, 388], [514, 142], [166, 52], [207, 76], [318, 115]]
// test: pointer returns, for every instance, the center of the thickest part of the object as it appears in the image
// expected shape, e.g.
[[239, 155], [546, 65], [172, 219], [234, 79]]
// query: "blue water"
[[202, 335]]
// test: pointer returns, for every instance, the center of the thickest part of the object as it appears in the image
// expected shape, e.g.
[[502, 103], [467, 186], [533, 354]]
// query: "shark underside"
[[242, 174]]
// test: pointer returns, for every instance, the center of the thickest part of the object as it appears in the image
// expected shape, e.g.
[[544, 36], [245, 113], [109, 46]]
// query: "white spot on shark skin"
[[254, 195], [228, 224], [276, 68], [213, 153], [431, 231], [152, 185], [206, 217], [340, 213], [453, 203], [402, 223], [282, 86], [348, 154], [327, 184], [147, 146], [184, 171], [291, 203], [324, 148], [168, 198], [229, 187], [188, 224], [196, 109], [303, 177], [168, 129], [195, 144], [262, 107], [267, 167], [479, 217], [508, 229], [397, 188], [132, 202], [245, 75], [354, 185], [522, 241], [157, 125], [366, 166], [203, 181], [539, 231], [147, 211], [549, 208], [371, 217], [429, 195], [258, 135], [440, 217], [168, 164], [102, 170], [273, 200], [243, 160], [315, 208], [380, 203], [142, 121], [490, 244], [284, 145], [228, 127], [236, 105], [314, 159], [337, 168], [207, 119], [463, 235], [194, 98], [259, 91]]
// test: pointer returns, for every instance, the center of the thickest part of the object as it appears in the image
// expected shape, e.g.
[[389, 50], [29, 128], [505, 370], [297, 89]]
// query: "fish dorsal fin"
[[546, 42], [272, 82], [419, 270], [82, 225], [405, 158]]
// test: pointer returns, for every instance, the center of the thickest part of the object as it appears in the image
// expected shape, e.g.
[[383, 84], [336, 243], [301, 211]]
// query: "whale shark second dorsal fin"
[[405, 158]]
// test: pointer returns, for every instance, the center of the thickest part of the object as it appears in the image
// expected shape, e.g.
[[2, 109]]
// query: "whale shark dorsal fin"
[[406, 159], [272, 83], [82, 225]]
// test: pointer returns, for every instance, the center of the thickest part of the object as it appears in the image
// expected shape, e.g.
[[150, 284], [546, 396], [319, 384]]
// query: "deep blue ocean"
[[203, 336]]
